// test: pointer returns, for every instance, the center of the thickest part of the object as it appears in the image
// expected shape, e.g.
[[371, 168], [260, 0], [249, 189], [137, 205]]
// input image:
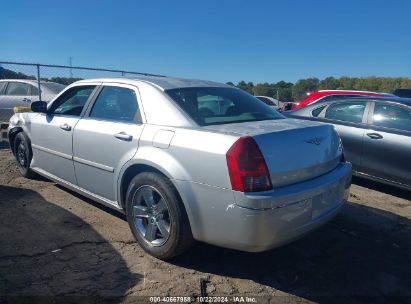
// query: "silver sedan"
[[21, 92], [186, 160]]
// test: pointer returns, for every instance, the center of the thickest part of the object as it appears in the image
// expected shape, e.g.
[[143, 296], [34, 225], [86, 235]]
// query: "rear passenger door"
[[349, 119], [106, 138], [387, 143]]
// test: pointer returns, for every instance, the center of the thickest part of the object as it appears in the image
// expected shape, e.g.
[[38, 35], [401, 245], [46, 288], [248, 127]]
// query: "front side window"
[[116, 104], [211, 106], [346, 111], [18, 89], [392, 116], [72, 101]]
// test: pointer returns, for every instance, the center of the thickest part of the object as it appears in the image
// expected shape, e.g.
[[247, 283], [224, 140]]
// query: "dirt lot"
[[56, 243]]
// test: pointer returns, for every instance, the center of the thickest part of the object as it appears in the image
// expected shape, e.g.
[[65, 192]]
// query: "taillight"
[[246, 166]]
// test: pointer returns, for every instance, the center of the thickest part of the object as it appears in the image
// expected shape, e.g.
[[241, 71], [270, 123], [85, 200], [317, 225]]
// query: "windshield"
[[212, 106]]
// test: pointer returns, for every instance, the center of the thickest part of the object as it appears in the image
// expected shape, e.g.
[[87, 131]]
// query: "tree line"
[[289, 92], [285, 91]]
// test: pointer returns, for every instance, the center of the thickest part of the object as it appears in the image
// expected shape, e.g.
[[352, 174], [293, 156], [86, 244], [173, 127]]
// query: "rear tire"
[[23, 154], [157, 216]]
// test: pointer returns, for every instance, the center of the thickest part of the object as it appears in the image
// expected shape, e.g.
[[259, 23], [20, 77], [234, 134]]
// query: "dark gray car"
[[375, 131], [21, 92]]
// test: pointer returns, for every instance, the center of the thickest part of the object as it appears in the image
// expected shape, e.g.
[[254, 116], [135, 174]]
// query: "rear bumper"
[[261, 221]]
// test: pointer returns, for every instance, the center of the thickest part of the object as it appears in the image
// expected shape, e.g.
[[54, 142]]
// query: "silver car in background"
[[186, 160], [375, 131], [21, 92]]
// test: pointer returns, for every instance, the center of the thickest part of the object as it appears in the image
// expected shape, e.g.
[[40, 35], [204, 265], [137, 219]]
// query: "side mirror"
[[39, 106]]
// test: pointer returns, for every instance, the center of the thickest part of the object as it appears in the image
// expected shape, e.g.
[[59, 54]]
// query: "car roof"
[[162, 82]]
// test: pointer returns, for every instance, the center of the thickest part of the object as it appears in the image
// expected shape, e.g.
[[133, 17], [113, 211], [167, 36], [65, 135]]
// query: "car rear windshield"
[[212, 106]]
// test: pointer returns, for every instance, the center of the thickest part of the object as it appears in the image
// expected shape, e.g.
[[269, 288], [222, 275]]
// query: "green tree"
[[248, 87], [329, 83], [302, 86]]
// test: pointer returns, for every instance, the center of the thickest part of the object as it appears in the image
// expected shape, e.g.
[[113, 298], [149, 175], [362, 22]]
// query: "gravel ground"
[[55, 243]]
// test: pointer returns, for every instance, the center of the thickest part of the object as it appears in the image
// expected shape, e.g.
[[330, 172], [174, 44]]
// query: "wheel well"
[[130, 174], [12, 136]]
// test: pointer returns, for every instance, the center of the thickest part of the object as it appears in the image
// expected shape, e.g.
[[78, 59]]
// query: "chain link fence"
[[23, 83]]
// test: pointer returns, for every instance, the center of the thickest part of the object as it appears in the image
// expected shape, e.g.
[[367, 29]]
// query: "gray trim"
[[98, 198], [74, 158], [93, 164], [60, 154]]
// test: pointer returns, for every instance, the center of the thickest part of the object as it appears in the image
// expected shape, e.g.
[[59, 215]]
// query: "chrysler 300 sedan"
[[186, 160]]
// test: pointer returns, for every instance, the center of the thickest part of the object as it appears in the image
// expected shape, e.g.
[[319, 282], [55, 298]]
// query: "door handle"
[[26, 100], [374, 135], [123, 136], [65, 127]]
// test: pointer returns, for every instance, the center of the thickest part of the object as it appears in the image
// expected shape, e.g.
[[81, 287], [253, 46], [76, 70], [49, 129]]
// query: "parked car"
[[406, 93], [326, 95], [21, 92], [186, 159], [272, 102], [375, 131]]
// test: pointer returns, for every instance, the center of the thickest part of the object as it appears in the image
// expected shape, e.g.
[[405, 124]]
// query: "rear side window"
[[317, 111], [116, 104], [346, 111], [392, 116], [18, 89], [34, 90], [72, 101], [2, 87]]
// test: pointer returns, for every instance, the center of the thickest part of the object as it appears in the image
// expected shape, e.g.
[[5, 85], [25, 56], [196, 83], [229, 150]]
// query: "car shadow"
[[377, 186], [48, 252], [109, 210], [361, 255]]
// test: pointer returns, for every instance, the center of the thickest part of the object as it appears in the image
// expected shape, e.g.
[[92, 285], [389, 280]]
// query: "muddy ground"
[[55, 243]]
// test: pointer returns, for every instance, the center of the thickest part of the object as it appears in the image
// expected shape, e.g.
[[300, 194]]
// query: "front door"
[[387, 144], [52, 133], [349, 120], [106, 138]]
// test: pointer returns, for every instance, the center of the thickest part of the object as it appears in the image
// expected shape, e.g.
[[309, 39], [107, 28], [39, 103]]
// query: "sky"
[[220, 40]]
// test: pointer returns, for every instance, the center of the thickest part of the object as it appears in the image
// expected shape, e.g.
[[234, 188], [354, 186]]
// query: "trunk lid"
[[294, 150]]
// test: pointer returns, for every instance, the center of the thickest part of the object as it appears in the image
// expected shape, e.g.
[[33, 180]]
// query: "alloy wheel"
[[151, 215]]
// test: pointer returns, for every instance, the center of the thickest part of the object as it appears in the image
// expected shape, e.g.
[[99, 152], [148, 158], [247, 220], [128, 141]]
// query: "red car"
[[320, 95]]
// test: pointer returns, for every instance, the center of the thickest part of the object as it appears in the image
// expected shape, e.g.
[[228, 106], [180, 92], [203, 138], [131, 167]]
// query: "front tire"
[[157, 216], [23, 154]]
